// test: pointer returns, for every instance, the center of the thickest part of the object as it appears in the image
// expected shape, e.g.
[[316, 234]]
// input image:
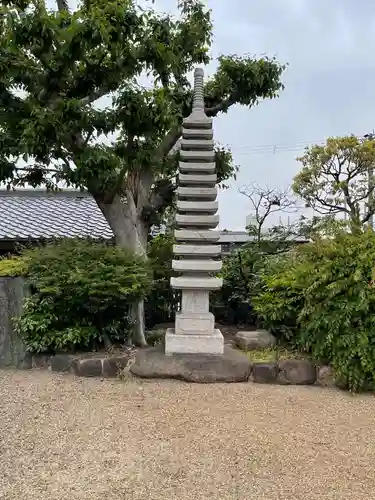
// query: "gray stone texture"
[[112, 367], [296, 372], [325, 376], [41, 360], [26, 363], [12, 350], [232, 366], [257, 339], [87, 367], [61, 363], [265, 373], [196, 260]]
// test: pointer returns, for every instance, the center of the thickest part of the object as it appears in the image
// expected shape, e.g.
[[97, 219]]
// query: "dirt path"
[[68, 438]]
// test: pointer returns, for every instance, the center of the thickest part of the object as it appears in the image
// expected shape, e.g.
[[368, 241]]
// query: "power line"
[[263, 149]]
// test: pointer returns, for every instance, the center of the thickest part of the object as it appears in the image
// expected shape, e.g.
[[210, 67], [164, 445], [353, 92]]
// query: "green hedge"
[[325, 302], [162, 302], [81, 293]]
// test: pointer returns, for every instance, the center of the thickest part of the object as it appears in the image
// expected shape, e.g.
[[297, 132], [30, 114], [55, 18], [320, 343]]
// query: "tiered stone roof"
[[197, 250]]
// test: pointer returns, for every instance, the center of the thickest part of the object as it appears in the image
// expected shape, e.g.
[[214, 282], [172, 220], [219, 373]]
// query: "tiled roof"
[[36, 214]]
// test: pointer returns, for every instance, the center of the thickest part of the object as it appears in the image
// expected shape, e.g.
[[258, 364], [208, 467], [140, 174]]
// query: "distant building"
[[233, 240], [30, 216], [250, 220]]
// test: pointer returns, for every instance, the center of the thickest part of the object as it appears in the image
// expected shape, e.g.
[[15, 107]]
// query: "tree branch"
[[168, 142], [62, 5], [332, 208], [125, 168], [175, 133], [162, 195], [94, 96], [222, 106]]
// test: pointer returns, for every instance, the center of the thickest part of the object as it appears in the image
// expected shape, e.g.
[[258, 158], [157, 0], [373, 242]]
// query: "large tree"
[[271, 236], [55, 65], [337, 178]]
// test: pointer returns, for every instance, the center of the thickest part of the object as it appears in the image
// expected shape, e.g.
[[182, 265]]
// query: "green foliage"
[[81, 293], [233, 303], [242, 269], [338, 318], [242, 275], [327, 297], [280, 298], [336, 178], [244, 80], [162, 302], [65, 61], [273, 354], [13, 266]]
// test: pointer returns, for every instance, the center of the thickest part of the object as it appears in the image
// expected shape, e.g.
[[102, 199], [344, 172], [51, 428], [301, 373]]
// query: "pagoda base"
[[231, 366], [190, 343]]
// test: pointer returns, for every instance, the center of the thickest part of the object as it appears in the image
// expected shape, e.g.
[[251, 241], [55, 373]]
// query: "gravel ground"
[[68, 438]]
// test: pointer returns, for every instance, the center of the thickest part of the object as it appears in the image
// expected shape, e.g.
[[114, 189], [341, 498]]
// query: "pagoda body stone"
[[197, 254]]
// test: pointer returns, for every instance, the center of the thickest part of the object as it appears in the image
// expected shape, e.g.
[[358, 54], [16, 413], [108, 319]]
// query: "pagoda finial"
[[198, 102]]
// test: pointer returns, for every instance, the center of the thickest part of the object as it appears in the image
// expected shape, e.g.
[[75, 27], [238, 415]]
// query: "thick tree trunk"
[[130, 232]]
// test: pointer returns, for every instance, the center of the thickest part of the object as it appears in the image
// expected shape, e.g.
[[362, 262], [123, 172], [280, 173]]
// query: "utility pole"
[[371, 181]]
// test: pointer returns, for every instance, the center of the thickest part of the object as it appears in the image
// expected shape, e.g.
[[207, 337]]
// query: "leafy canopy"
[[336, 178], [55, 65]]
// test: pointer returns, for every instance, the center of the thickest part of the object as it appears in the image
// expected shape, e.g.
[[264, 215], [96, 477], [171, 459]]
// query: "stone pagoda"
[[197, 254]]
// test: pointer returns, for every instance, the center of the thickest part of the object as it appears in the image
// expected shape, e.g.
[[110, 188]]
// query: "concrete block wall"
[[12, 293]]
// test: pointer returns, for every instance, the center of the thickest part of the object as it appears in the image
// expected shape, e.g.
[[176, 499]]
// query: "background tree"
[[266, 203], [56, 65], [336, 179], [243, 267]]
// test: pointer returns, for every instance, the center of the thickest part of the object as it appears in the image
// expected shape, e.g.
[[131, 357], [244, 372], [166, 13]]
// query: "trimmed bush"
[[13, 266], [329, 299], [81, 293]]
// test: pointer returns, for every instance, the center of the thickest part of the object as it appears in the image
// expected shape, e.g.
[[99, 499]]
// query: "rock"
[[258, 339], [326, 376], [155, 337], [61, 363], [88, 367], [113, 366], [41, 361], [26, 363], [341, 383], [265, 373], [232, 366], [296, 372]]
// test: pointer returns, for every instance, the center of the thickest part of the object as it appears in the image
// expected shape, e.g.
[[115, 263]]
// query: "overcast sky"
[[329, 84]]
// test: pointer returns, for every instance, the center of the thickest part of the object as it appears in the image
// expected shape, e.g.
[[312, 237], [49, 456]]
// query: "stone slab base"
[[84, 364], [232, 366], [194, 343]]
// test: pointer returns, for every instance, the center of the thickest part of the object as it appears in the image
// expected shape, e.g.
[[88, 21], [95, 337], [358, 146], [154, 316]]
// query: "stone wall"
[[12, 292]]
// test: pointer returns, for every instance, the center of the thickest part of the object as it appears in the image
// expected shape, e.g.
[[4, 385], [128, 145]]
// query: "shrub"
[[162, 301], [81, 293], [329, 297], [233, 302], [338, 317], [13, 266], [242, 274], [280, 298]]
